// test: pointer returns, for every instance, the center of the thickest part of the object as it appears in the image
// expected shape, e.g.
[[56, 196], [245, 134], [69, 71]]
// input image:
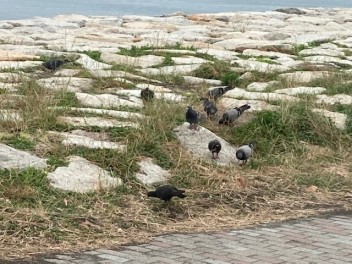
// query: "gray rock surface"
[[11, 158], [150, 172], [82, 176], [197, 143]]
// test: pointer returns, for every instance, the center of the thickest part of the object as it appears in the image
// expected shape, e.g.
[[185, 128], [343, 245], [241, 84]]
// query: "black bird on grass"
[[147, 94], [54, 64], [209, 107], [214, 146], [216, 92], [244, 152], [192, 117], [231, 115], [166, 192]]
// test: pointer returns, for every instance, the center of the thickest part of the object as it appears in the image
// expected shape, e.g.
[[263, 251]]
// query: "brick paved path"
[[317, 240]]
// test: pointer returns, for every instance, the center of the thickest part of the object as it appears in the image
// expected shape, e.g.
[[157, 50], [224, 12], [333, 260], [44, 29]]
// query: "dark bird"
[[209, 107], [54, 64], [192, 117], [231, 115], [166, 192], [216, 92], [244, 152], [147, 94], [214, 146]]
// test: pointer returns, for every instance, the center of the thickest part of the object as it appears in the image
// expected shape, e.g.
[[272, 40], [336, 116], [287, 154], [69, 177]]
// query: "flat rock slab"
[[82, 176], [189, 60], [260, 66], [114, 113], [95, 121], [67, 72], [74, 139], [197, 80], [301, 90], [19, 64], [260, 86], [304, 76], [70, 84], [11, 158], [339, 119], [335, 99], [197, 143], [164, 96], [220, 53], [241, 93], [150, 172], [177, 69], [107, 100], [155, 88], [141, 61], [11, 77], [91, 64]]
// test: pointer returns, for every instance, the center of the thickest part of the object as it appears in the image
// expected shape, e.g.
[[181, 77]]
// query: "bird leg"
[[217, 155]]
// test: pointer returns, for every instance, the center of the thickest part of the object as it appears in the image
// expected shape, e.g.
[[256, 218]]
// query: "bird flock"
[[243, 153]]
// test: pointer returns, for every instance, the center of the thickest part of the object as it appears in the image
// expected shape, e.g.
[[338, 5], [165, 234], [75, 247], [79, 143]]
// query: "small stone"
[[343, 99], [82, 176], [260, 66], [339, 119], [196, 80], [312, 189], [241, 93], [91, 64]]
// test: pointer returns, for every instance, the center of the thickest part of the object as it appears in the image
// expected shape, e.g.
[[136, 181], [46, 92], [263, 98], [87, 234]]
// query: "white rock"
[[67, 72], [339, 119], [197, 143], [165, 96], [321, 51], [82, 176], [304, 76], [70, 84], [11, 158], [220, 54], [289, 62], [11, 77], [120, 74], [337, 98], [250, 65], [114, 113], [19, 64], [301, 90], [174, 51], [95, 121], [196, 80], [106, 100], [241, 93], [260, 86], [328, 59], [123, 80], [256, 105], [91, 64], [73, 139], [189, 60], [155, 88], [151, 173], [269, 54], [140, 61], [177, 69], [10, 87]]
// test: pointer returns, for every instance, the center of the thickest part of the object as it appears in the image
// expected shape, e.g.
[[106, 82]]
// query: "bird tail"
[[243, 108], [228, 88]]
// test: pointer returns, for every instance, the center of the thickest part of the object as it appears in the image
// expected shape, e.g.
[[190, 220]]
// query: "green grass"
[[282, 131], [93, 54], [323, 180], [19, 142], [335, 84], [66, 99]]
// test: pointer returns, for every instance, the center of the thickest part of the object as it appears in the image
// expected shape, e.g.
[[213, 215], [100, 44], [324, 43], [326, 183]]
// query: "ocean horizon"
[[20, 9]]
